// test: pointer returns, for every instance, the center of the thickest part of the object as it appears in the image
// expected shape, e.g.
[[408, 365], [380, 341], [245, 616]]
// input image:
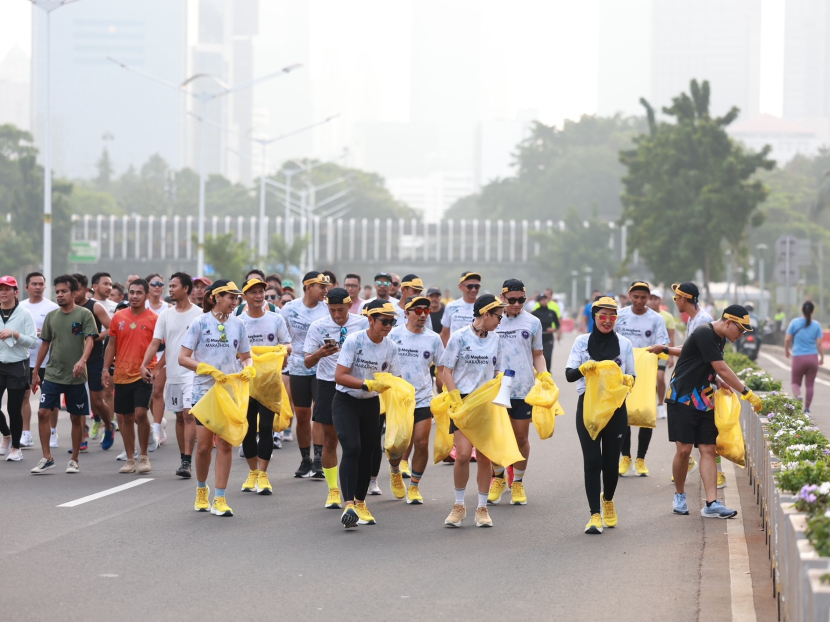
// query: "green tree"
[[228, 258], [690, 190], [285, 258]]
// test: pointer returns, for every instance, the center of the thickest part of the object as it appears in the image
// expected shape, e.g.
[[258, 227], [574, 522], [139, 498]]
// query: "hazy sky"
[[550, 64]]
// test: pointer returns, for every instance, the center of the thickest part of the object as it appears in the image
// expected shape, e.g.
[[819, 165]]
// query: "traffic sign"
[[799, 249], [781, 273], [83, 252]]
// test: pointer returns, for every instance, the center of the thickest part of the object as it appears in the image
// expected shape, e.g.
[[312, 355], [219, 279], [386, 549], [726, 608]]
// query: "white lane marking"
[[105, 493], [783, 365], [743, 600]]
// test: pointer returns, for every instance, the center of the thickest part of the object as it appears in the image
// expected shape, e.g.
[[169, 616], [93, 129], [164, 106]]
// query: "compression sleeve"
[[572, 375]]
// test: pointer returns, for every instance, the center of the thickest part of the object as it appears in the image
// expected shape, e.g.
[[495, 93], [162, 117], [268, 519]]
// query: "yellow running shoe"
[[202, 499], [250, 483], [396, 484], [497, 488], [640, 467], [721, 480], [609, 512], [334, 500], [263, 485], [518, 496], [220, 507], [594, 525], [349, 518], [625, 465], [692, 466], [413, 495], [365, 517], [405, 470]]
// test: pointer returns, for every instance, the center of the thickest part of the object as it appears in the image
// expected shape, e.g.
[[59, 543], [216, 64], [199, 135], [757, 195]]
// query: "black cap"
[[413, 281], [338, 296], [739, 315], [385, 275], [433, 290], [686, 290], [466, 276], [416, 301], [485, 303], [222, 286], [512, 285], [315, 276], [376, 307]]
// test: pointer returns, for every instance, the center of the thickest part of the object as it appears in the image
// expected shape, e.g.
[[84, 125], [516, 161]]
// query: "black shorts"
[[303, 390], [77, 399], [662, 364], [322, 404], [520, 410], [40, 372], [454, 429], [128, 397], [14, 375], [422, 414], [94, 369], [690, 426]]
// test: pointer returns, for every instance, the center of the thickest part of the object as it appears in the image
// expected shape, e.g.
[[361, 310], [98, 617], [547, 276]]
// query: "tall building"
[[92, 97], [14, 85], [496, 146], [433, 194]]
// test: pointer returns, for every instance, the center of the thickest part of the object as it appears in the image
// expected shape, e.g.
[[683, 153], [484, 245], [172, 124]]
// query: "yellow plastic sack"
[[730, 443], [224, 409], [641, 402], [544, 397], [266, 387], [440, 406], [398, 403], [604, 394], [283, 417], [487, 426]]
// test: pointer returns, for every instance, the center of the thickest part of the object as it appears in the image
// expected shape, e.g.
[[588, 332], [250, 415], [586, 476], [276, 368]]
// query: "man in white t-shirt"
[[171, 329], [39, 307], [101, 284], [459, 313]]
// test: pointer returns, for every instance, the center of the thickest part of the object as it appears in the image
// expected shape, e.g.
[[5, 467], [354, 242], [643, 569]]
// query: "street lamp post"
[[575, 275], [761, 285], [588, 271], [47, 6], [203, 97]]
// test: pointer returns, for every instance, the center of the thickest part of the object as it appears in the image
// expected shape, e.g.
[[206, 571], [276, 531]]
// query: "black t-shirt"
[[436, 316], [97, 353], [549, 318], [691, 383]]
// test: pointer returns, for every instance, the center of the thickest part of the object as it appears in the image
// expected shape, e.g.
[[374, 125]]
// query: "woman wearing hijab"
[[601, 456]]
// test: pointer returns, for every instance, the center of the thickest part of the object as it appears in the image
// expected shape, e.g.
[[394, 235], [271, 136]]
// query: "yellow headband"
[[386, 309], [346, 300], [322, 279], [415, 300], [414, 284], [743, 321], [606, 302], [639, 285], [468, 276], [493, 305], [230, 287], [676, 289]]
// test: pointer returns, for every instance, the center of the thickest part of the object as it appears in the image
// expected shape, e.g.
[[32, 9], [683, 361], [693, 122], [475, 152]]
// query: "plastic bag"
[[224, 409], [440, 406], [487, 426], [266, 387], [730, 443], [398, 403], [641, 403], [283, 417], [604, 394], [544, 397]]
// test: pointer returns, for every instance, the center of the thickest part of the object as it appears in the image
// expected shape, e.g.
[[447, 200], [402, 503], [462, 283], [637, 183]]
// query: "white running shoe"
[[241, 453], [73, 467], [287, 436], [163, 438], [374, 489], [122, 457], [26, 440], [154, 442], [15, 455], [5, 444], [661, 411], [53, 439]]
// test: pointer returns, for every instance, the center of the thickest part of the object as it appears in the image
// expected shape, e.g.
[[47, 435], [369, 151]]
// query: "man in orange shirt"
[[131, 331]]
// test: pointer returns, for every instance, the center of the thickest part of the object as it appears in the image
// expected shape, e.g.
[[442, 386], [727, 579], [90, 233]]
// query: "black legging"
[[604, 458], [356, 423], [265, 446], [377, 455], [644, 438], [547, 351], [14, 407]]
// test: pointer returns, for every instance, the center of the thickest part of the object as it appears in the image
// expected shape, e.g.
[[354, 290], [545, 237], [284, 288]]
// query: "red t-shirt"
[[133, 334]]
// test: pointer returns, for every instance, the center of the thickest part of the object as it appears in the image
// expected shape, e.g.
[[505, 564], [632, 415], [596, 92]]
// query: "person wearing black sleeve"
[[550, 326]]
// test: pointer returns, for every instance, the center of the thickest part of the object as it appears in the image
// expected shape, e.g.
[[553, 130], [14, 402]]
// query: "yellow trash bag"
[[544, 397], [440, 406], [398, 403], [224, 409], [641, 402], [487, 426], [266, 386], [604, 394], [730, 443], [283, 417]]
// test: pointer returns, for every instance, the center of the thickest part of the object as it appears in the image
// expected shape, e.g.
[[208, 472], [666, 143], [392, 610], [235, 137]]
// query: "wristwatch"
[[745, 391], [665, 350], [365, 388]]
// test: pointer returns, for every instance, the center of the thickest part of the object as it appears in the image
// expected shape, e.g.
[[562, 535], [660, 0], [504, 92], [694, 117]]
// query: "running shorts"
[[303, 390], [130, 396], [77, 399], [690, 426], [520, 410], [422, 414], [177, 397], [322, 404], [94, 369]]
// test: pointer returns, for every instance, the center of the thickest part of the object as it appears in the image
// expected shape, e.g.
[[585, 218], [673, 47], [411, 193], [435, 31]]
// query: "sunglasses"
[[343, 332], [383, 283], [607, 318], [157, 283], [741, 329], [421, 310], [473, 286], [395, 283], [270, 297], [498, 315], [517, 301], [387, 322]]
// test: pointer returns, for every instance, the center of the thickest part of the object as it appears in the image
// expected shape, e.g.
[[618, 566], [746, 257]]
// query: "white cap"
[[657, 292]]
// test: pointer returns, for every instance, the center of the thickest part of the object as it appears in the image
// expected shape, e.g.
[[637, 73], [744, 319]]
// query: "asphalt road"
[[144, 554]]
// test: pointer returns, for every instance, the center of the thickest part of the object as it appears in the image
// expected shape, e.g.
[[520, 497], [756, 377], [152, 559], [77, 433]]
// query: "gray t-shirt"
[[473, 360], [417, 352], [325, 328], [171, 328], [268, 330], [364, 358], [519, 336], [299, 317], [215, 347], [697, 321]]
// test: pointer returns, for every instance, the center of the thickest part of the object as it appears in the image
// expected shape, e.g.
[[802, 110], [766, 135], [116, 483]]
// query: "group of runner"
[[130, 361]]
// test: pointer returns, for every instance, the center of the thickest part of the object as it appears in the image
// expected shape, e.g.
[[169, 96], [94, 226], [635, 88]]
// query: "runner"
[[130, 338], [18, 334], [101, 290], [157, 304], [586, 320], [436, 309], [322, 347], [521, 348], [600, 457], [256, 273], [200, 285], [356, 405], [352, 285], [551, 325], [39, 307], [804, 338], [264, 328], [298, 315], [395, 287], [459, 313], [171, 328], [117, 294], [419, 350], [470, 360], [217, 338], [644, 328], [691, 407], [412, 285], [68, 335], [654, 302]]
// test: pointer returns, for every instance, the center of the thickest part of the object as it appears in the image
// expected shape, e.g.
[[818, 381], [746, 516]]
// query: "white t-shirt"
[[268, 330], [215, 347], [171, 328], [473, 360], [579, 354], [162, 306], [457, 315], [697, 321], [364, 358], [39, 312], [648, 329], [417, 352], [325, 328], [299, 317], [109, 305], [519, 336]]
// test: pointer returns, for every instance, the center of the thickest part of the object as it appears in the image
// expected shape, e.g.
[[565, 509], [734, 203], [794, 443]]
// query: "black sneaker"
[[317, 469], [184, 470], [305, 468], [277, 442]]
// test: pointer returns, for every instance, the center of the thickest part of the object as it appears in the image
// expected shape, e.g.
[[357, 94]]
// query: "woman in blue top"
[[804, 339]]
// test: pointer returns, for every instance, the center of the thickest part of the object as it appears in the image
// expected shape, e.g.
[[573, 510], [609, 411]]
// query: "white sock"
[[54, 430], [459, 495], [482, 499], [157, 429]]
